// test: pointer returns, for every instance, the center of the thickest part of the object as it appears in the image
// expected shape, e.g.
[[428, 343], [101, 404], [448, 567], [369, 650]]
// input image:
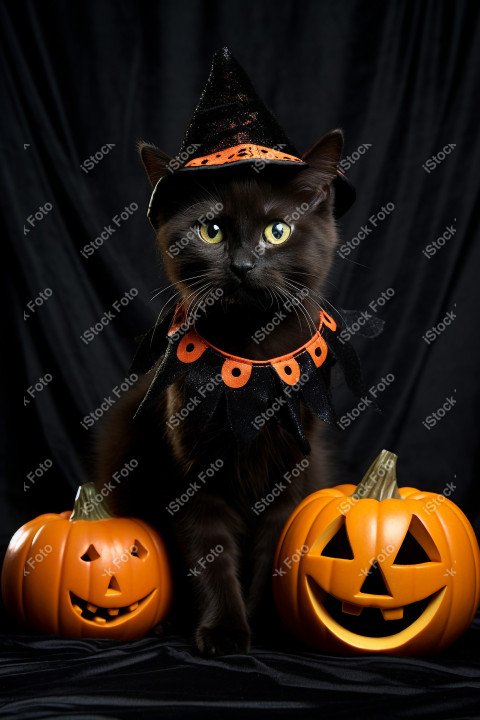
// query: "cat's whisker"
[[177, 282], [282, 298], [277, 297], [194, 295], [323, 300], [272, 298], [299, 272], [298, 288], [199, 302], [204, 293], [173, 297], [282, 302], [196, 299], [354, 262], [297, 305]]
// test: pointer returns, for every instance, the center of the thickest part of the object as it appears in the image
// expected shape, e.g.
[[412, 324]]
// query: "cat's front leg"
[[260, 605], [207, 531]]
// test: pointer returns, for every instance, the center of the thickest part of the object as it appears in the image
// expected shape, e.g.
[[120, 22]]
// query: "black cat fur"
[[224, 600]]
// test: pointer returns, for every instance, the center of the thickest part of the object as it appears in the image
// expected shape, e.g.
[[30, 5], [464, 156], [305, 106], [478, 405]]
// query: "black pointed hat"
[[231, 125]]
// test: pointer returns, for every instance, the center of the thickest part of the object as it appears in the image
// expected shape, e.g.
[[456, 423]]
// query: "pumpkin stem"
[[380, 480], [89, 504]]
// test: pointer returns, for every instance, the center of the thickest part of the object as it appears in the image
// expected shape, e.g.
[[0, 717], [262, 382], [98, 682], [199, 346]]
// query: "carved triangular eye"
[[418, 546], [138, 550], [90, 554], [339, 545]]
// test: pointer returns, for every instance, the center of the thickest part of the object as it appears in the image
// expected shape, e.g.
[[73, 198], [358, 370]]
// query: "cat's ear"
[[155, 161], [325, 154]]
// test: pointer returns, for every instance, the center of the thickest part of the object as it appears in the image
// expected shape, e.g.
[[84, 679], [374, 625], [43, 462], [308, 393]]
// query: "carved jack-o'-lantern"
[[87, 574], [377, 569]]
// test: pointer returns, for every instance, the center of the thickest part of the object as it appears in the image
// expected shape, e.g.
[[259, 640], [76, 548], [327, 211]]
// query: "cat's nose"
[[241, 265]]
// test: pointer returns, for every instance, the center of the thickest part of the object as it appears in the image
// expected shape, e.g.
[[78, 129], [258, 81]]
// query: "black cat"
[[271, 235]]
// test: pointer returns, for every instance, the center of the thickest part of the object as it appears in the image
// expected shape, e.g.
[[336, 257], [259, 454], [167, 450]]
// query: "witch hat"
[[231, 125]]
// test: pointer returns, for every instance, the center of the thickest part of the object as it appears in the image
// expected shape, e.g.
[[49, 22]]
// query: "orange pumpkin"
[[87, 574], [377, 569]]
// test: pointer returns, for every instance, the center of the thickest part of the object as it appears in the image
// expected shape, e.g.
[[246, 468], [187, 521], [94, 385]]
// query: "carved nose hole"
[[374, 583], [113, 586]]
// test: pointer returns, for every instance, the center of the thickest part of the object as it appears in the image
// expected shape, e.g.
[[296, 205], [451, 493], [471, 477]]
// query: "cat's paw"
[[217, 640]]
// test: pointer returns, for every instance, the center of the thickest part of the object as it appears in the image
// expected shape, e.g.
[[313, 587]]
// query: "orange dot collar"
[[236, 371], [255, 391]]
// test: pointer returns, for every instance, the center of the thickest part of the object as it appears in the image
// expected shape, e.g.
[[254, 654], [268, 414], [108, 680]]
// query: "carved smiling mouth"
[[103, 615], [373, 622]]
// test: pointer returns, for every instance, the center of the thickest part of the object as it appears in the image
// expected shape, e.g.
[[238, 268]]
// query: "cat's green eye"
[[211, 233], [277, 232]]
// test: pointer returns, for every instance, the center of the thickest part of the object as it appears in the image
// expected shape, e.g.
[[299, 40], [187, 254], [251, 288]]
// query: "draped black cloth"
[[80, 83], [96, 679]]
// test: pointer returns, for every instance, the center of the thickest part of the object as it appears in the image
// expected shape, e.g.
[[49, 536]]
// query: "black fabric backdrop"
[[401, 79]]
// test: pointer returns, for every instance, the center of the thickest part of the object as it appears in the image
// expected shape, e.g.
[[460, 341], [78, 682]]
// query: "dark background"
[[401, 76]]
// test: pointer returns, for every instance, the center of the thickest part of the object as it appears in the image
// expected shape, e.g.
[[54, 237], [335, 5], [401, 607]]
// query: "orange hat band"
[[242, 152]]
